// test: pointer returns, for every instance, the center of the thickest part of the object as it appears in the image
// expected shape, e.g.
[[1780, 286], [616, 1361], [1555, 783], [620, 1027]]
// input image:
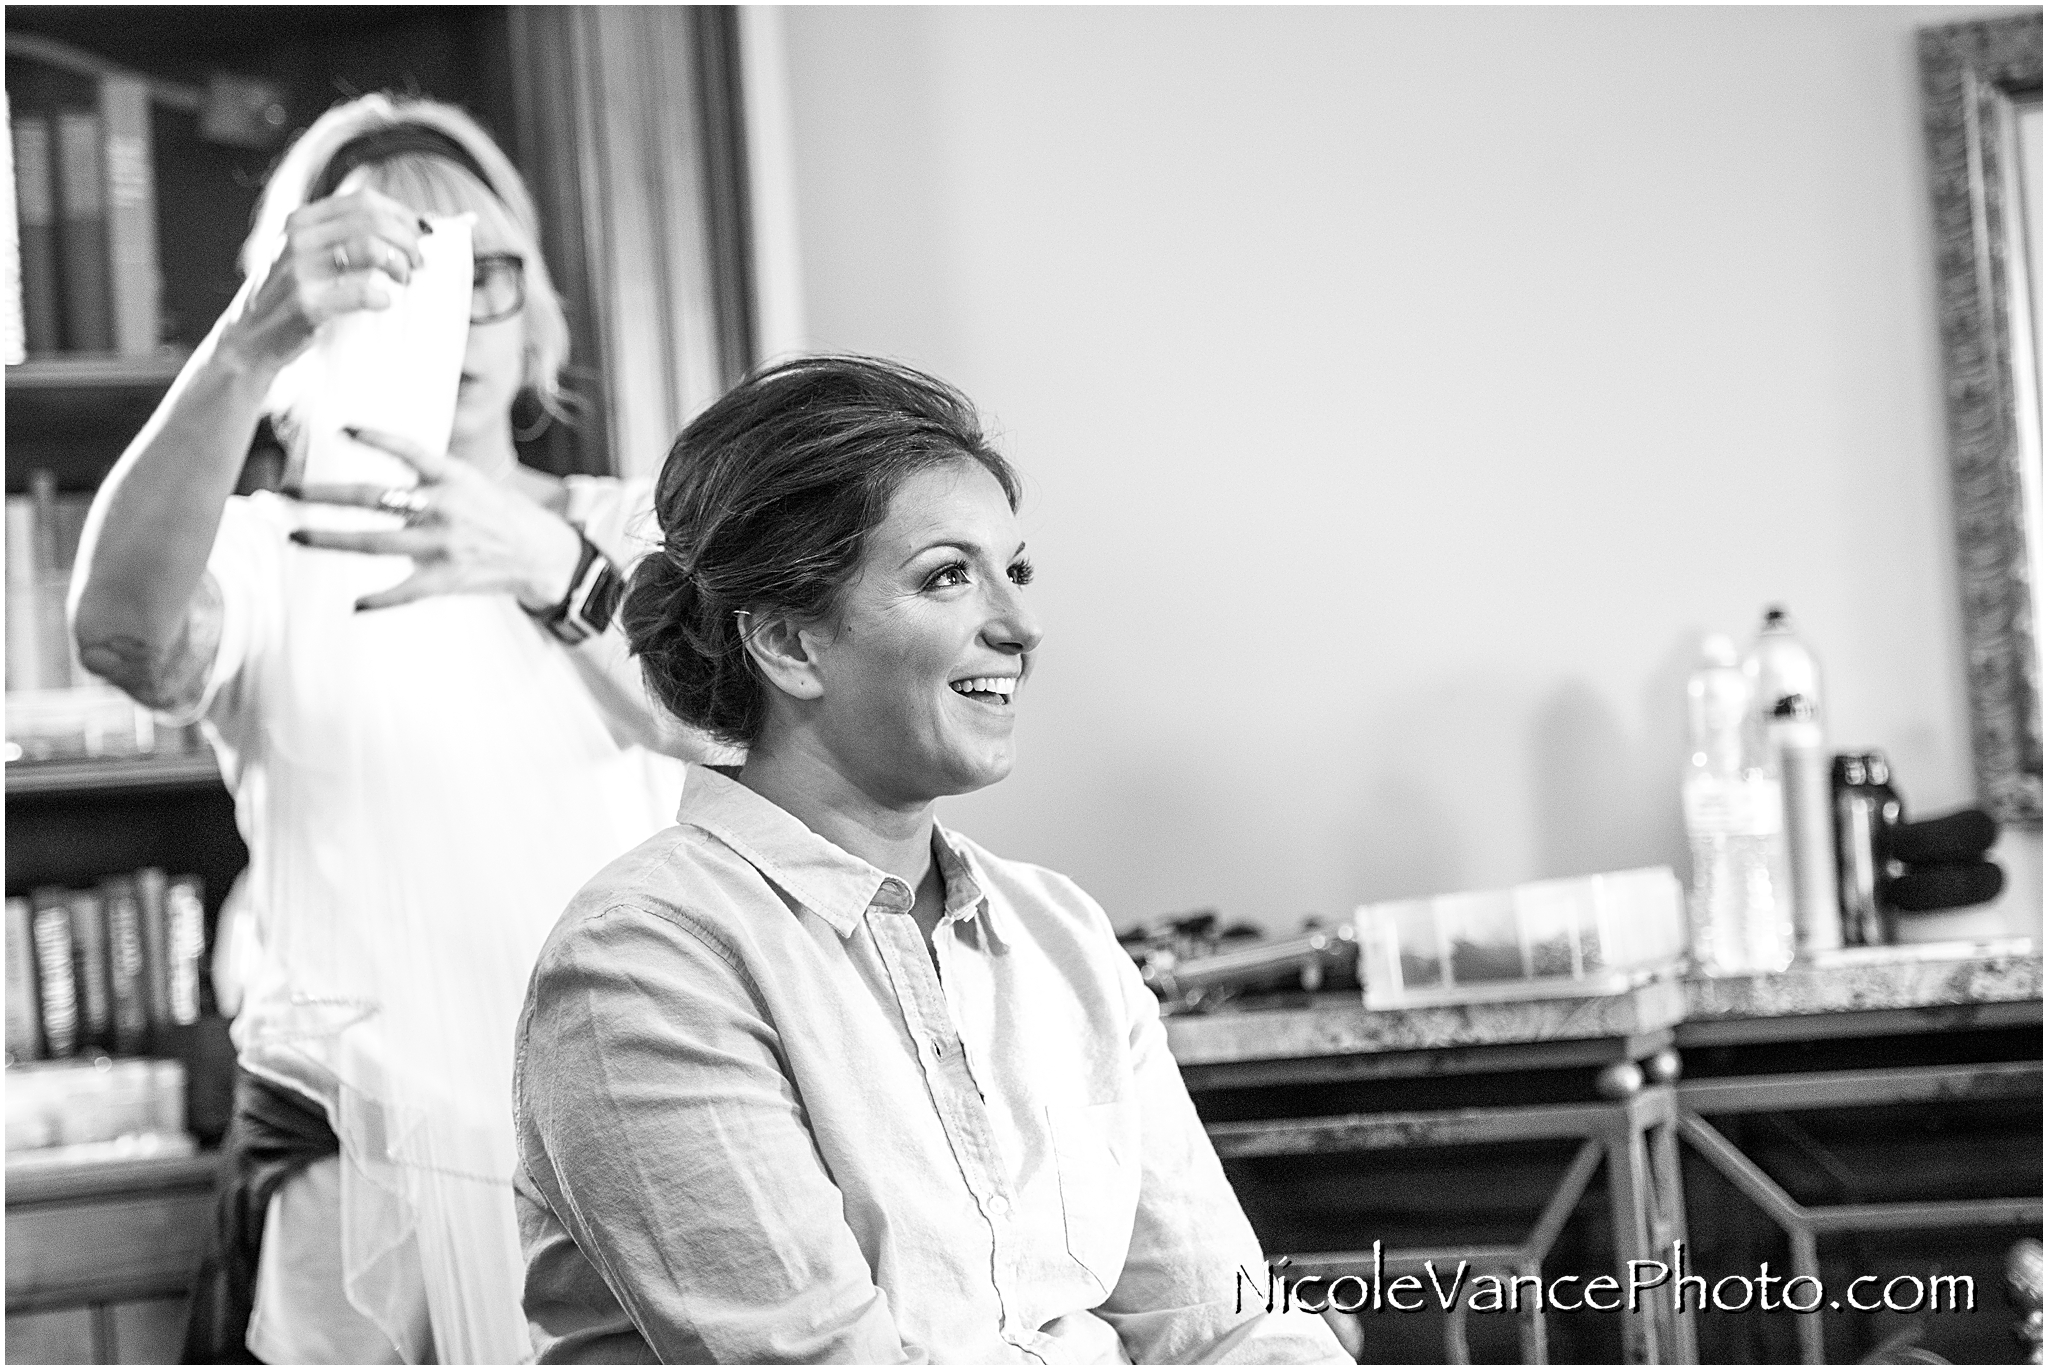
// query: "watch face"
[[603, 600]]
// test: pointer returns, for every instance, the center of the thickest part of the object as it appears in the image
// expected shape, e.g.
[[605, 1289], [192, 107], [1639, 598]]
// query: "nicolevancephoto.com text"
[[1514, 1292]]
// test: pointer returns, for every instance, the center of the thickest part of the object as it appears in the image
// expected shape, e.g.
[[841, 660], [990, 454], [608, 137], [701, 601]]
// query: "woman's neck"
[[803, 780], [488, 448]]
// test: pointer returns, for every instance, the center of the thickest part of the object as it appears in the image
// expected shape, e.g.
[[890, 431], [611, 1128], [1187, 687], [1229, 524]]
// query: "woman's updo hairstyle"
[[765, 504]]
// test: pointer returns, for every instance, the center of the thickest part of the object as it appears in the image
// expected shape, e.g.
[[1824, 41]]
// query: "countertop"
[[1950, 976]]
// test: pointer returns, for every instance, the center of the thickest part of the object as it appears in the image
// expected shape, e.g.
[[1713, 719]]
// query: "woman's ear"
[[784, 653]]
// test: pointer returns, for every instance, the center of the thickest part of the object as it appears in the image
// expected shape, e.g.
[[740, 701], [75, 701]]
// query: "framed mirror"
[[1981, 92]]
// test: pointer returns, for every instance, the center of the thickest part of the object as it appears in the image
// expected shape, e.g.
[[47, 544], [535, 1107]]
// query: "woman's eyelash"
[[1020, 574]]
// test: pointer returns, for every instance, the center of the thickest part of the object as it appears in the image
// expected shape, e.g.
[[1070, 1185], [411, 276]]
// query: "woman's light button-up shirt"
[[759, 1124]]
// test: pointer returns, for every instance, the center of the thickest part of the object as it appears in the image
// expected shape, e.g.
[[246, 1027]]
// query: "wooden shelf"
[[96, 372], [104, 1179], [183, 770]]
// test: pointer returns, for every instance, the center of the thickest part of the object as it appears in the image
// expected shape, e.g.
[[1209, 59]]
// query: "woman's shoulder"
[[675, 889]]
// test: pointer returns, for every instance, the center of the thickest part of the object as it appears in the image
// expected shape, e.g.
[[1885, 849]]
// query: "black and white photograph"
[[1018, 684]]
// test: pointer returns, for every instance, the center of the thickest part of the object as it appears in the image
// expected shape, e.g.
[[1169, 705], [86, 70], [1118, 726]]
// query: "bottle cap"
[[1777, 620], [1717, 649]]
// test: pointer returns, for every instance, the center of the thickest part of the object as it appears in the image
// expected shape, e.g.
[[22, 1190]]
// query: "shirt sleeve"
[[657, 1122], [617, 515], [1181, 1298], [246, 563]]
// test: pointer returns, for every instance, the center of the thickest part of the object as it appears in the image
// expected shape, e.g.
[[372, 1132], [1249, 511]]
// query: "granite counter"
[[1989, 984]]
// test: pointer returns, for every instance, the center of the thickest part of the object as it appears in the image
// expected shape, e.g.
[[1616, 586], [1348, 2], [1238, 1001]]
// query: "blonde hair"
[[428, 185]]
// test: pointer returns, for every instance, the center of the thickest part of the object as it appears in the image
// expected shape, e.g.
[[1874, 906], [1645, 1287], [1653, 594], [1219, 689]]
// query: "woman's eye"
[[948, 576], [1021, 573]]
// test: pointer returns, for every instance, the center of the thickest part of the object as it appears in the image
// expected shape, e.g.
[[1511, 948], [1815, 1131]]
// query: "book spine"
[[56, 983], [127, 967], [24, 1024], [95, 986], [35, 202], [70, 511], [82, 232], [186, 915], [131, 214], [12, 346], [152, 891], [53, 580], [24, 617]]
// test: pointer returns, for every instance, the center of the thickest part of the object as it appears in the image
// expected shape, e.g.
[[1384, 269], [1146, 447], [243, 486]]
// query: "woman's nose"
[[1012, 626]]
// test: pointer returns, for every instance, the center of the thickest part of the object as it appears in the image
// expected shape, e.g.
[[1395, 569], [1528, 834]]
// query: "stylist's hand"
[[474, 536], [340, 254]]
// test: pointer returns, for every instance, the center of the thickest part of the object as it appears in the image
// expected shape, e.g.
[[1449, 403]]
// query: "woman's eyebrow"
[[970, 548]]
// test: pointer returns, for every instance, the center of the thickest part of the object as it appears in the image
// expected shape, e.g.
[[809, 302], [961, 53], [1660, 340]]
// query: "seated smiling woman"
[[808, 1077]]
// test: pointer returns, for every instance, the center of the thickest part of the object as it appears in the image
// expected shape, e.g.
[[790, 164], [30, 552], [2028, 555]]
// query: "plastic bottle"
[[1787, 683], [1739, 907]]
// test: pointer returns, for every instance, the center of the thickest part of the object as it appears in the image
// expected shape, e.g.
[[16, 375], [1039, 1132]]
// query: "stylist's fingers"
[[355, 222], [353, 496], [354, 251], [395, 542], [432, 466], [344, 295], [424, 583]]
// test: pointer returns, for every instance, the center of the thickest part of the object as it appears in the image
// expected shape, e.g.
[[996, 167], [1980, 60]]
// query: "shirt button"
[[998, 1206]]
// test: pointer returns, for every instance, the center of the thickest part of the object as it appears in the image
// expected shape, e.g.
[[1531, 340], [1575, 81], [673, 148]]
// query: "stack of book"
[[84, 209], [55, 710], [105, 970]]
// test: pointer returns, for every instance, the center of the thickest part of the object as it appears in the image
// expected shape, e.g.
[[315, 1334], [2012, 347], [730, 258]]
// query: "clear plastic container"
[[1588, 935], [69, 1103], [85, 720], [1740, 907]]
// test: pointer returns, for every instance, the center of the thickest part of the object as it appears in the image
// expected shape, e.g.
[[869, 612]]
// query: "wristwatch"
[[594, 594]]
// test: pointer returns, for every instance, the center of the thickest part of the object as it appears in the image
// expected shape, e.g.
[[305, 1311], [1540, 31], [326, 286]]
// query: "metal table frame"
[[1634, 1135]]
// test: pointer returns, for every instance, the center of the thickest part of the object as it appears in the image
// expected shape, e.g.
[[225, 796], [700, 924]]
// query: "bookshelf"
[[95, 1252], [99, 1252], [110, 775], [96, 373]]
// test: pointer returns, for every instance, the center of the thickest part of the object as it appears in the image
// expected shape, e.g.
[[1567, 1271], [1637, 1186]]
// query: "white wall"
[[1400, 393]]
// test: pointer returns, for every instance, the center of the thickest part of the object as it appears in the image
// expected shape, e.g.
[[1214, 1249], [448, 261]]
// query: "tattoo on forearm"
[[165, 675]]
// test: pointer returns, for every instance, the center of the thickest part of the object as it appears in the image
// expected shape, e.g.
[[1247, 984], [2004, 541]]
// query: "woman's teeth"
[[994, 689]]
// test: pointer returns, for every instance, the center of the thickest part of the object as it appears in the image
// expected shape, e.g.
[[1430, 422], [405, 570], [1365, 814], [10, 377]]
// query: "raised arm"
[[144, 613], [655, 1119]]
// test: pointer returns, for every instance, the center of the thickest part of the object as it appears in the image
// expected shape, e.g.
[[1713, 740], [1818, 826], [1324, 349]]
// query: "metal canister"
[[1866, 806]]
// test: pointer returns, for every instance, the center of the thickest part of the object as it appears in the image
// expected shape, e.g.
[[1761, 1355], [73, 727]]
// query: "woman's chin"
[[478, 411], [982, 772]]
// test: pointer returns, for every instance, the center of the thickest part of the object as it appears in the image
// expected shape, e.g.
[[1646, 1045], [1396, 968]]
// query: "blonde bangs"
[[435, 185]]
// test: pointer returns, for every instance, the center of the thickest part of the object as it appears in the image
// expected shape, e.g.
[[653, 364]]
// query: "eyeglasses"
[[498, 287]]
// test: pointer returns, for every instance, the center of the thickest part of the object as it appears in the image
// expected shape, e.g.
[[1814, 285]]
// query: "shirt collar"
[[823, 876]]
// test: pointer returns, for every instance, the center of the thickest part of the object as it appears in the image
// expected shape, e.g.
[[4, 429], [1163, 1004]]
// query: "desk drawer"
[[134, 1246]]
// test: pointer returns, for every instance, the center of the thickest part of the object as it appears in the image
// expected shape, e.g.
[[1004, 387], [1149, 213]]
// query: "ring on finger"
[[413, 504], [340, 259]]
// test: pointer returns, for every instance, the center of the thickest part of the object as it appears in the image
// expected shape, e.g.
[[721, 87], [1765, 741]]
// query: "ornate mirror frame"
[[1971, 76]]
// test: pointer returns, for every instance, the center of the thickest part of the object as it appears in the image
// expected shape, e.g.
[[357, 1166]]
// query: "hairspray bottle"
[[1787, 681]]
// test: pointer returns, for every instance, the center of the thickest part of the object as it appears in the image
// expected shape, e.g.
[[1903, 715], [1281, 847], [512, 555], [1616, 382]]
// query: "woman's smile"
[[989, 691]]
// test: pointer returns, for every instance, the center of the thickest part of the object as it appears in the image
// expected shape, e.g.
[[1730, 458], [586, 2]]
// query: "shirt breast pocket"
[[1095, 1147]]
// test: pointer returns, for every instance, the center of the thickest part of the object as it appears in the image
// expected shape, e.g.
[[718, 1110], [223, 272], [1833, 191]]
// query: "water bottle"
[[1787, 683], [1738, 910]]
